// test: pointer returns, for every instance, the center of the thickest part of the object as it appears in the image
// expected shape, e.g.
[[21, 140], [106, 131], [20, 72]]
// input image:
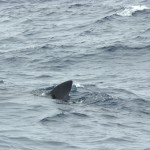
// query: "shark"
[[61, 91]]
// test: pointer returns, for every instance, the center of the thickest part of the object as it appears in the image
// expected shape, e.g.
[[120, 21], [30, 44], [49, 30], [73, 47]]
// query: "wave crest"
[[129, 11]]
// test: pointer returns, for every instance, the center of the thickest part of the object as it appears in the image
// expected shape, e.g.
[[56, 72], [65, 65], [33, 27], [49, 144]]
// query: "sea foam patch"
[[128, 11]]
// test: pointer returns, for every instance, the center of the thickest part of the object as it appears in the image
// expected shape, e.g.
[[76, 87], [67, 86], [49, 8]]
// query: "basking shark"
[[61, 91]]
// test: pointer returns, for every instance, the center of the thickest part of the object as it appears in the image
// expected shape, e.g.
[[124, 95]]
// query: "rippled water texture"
[[103, 46]]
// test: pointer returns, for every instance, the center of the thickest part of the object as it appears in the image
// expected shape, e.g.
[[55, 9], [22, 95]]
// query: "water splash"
[[129, 11], [78, 84]]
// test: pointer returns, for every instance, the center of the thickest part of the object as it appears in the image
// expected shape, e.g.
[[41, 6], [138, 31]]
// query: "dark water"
[[103, 46]]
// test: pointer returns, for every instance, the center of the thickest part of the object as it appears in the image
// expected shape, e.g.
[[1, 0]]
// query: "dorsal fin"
[[62, 90]]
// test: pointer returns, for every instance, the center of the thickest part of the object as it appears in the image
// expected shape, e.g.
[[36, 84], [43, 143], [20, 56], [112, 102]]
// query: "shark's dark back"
[[62, 90]]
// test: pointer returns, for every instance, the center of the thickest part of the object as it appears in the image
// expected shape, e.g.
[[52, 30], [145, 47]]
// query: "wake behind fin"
[[62, 90]]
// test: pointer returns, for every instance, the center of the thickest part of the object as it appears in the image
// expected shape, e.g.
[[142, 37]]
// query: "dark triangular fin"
[[62, 90]]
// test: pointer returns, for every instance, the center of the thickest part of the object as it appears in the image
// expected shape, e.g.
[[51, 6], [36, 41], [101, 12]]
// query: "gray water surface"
[[103, 46]]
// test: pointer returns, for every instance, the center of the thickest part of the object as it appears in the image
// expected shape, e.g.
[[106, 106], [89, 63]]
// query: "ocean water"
[[103, 46]]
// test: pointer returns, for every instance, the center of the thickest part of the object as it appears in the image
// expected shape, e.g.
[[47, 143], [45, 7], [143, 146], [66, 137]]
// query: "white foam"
[[128, 11], [43, 94], [78, 85]]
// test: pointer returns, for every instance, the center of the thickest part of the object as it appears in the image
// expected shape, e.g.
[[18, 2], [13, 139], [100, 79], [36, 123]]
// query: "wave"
[[1, 82], [76, 5], [2, 1], [130, 10], [147, 30], [63, 116], [112, 48], [126, 11], [105, 19]]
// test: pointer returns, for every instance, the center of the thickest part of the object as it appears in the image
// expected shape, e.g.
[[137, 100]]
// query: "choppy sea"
[[103, 46]]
